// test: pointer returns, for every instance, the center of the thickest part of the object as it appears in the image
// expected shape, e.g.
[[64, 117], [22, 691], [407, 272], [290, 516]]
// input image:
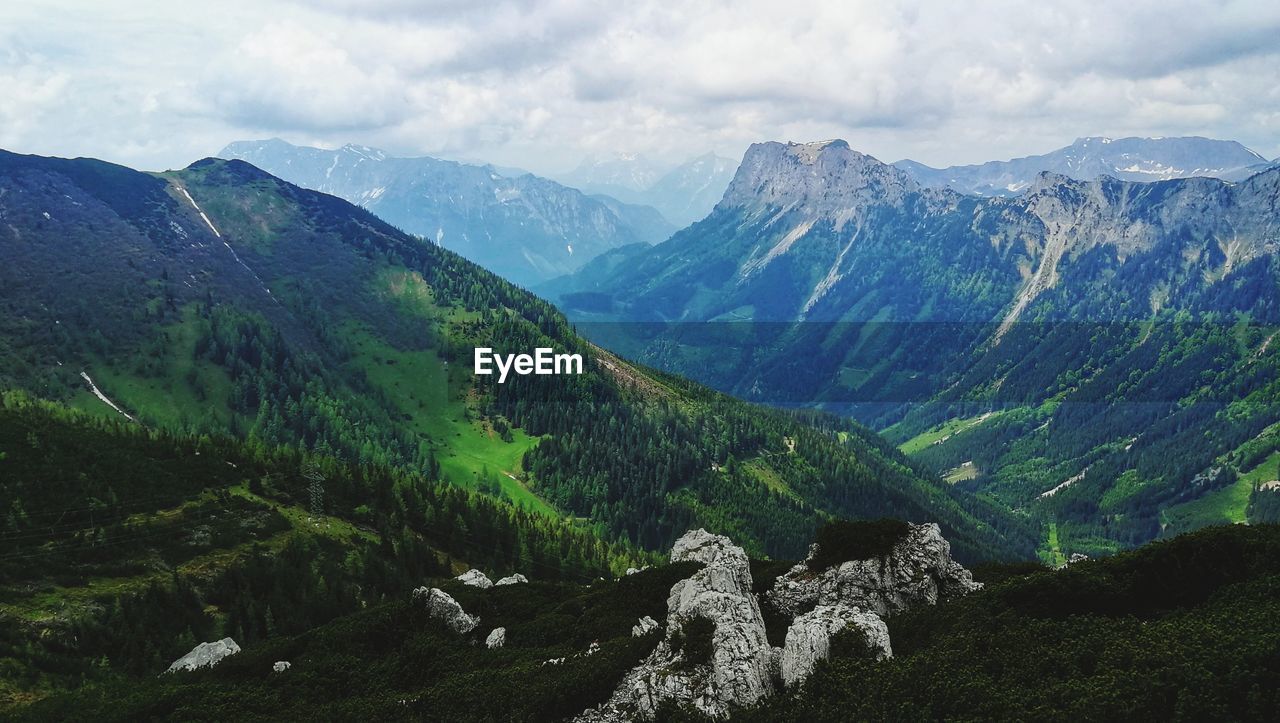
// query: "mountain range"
[[220, 299], [526, 228], [683, 194], [236, 410], [1099, 350], [1128, 159]]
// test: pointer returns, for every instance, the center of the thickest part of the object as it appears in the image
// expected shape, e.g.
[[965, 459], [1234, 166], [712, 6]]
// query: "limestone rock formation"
[[742, 665], [809, 638], [281, 665], [516, 579], [644, 626], [441, 606], [205, 655], [475, 578], [497, 638], [739, 671], [918, 571]]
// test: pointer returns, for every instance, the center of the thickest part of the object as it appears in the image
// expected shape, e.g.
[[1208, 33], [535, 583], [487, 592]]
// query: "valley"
[[639, 362], [1048, 349]]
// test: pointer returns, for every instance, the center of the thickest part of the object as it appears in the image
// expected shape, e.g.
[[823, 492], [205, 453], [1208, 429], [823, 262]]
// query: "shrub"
[[856, 540], [693, 640]]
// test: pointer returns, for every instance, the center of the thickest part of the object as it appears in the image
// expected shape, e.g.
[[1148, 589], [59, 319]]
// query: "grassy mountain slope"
[[219, 298]]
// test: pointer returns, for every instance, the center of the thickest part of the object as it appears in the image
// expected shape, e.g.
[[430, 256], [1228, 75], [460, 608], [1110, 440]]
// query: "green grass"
[[419, 383], [943, 432], [1222, 506], [966, 471], [761, 470], [42, 603], [166, 399], [1053, 555], [1126, 487]]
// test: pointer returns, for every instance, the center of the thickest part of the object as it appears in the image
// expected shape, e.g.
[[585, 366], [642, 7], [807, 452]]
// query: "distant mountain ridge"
[[1103, 347], [1128, 159], [525, 228], [683, 194]]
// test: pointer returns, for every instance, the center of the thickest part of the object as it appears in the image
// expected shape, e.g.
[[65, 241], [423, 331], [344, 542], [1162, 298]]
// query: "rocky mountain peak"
[[819, 178]]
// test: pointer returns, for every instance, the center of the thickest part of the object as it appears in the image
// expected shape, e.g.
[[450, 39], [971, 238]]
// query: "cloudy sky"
[[156, 84]]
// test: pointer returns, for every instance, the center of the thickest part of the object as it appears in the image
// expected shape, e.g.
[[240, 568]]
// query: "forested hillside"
[[121, 547], [1099, 352], [220, 299]]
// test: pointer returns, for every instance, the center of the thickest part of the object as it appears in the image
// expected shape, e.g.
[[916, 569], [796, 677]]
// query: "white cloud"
[[539, 84]]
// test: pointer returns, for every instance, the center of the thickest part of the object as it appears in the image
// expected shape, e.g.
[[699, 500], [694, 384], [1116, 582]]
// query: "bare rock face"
[[497, 638], [821, 603], [205, 655], [475, 578], [281, 665], [918, 571], [809, 638], [644, 626], [441, 606], [741, 662], [516, 579]]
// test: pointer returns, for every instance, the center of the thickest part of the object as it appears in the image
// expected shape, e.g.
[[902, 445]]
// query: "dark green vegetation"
[[845, 540], [393, 663], [1111, 342], [303, 321], [122, 548], [1177, 630], [694, 641]]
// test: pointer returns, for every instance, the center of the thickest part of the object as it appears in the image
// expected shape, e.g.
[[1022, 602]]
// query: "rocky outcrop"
[[281, 665], [205, 655], [739, 671], [741, 665], [645, 626], [810, 634], [496, 639], [475, 578], [918, 571], [441, 606], [516, 579]]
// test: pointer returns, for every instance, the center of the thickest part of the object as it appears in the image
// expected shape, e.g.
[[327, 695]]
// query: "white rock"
[[809, 638], [281, 665], [516, 579], [475, 578], [205, 655], [441, 606], [497, 638], [740, 670], [632, 570], [918, 571], [644, 627]]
